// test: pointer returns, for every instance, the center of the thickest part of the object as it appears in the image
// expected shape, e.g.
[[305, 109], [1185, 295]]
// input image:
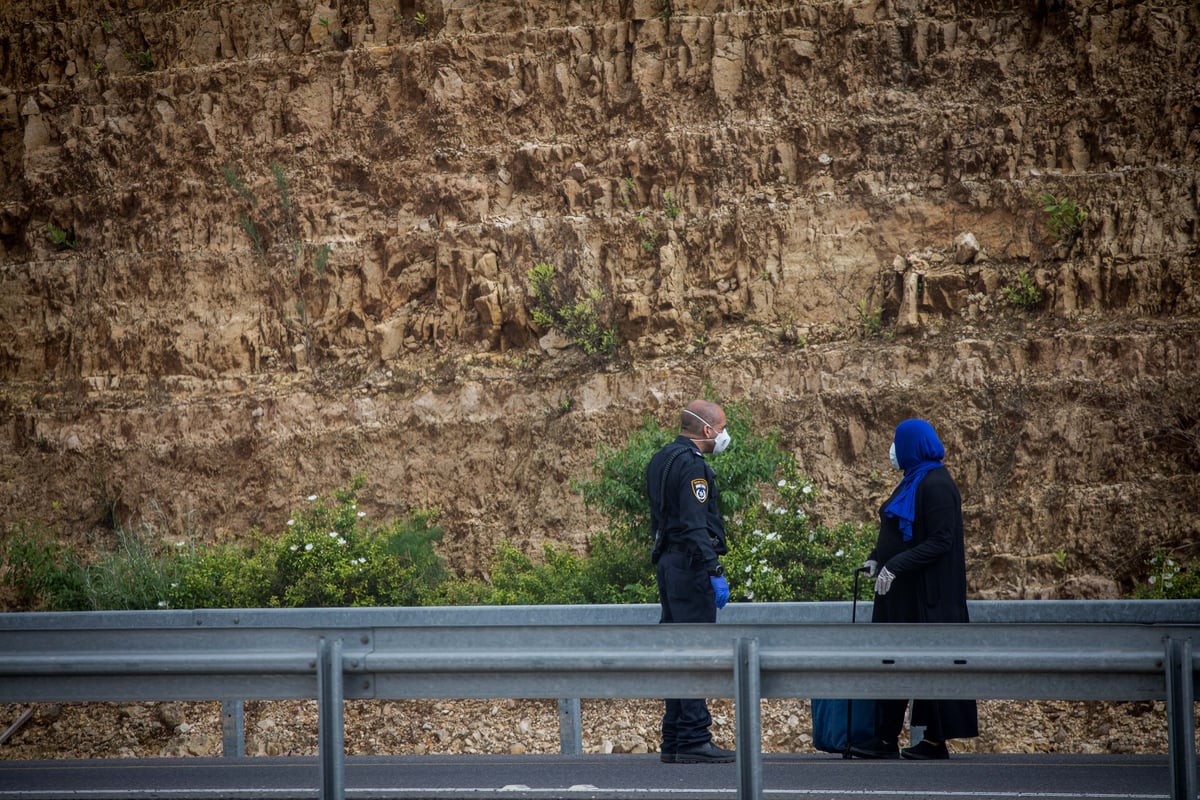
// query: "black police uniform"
[[689, 537]]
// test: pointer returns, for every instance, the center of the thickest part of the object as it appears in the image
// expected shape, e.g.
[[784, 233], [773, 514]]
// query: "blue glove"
[[720, 588]]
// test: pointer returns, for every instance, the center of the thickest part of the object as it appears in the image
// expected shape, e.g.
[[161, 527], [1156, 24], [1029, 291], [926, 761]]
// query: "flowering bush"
[[329, 555], [1169, 579], [780, 551]]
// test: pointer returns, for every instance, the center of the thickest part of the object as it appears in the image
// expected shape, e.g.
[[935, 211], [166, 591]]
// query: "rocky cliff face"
[[250, 249]]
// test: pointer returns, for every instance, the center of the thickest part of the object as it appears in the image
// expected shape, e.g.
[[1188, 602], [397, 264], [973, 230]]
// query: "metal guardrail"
[[1064, 650]]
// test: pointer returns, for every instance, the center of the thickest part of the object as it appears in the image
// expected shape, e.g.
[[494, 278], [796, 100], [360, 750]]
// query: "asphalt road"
[[611, 777]]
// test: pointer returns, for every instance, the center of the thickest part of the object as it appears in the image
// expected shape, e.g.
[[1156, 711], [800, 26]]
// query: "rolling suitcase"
[[837, 724]]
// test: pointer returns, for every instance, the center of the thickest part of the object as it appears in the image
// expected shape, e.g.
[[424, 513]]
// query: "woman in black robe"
[[919, 564]]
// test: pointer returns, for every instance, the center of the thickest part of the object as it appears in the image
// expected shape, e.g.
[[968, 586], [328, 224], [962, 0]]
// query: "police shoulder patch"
[[700, 489]]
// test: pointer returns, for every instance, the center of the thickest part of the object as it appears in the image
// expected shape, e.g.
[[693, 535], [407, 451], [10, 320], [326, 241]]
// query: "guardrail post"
[[748, 716], [570, 726], [233, 728], [331, 731], [1181, 719]]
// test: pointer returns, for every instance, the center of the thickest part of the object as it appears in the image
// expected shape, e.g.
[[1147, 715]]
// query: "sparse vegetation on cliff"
[[557, 305]]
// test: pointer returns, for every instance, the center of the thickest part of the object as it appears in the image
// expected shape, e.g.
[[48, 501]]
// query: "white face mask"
[[892, 455], [723, 438]]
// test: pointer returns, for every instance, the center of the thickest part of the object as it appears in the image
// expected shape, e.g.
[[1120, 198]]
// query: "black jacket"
[[931, 568], [688, 513]]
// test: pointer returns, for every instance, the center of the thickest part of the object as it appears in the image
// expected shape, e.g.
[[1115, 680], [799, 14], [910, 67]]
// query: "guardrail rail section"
[[1020, 650]]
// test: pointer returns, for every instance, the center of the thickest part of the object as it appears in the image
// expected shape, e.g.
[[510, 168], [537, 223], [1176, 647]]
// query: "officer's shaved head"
[[698, 414]]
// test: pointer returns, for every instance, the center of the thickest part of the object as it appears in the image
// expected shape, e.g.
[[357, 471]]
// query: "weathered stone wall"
[[826, 159]]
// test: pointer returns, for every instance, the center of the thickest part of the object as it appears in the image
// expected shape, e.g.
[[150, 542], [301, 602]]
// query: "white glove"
[[884, 581], [871, 566]]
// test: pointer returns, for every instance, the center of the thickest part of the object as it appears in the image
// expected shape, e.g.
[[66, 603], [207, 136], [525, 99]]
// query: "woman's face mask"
[[892, 456]]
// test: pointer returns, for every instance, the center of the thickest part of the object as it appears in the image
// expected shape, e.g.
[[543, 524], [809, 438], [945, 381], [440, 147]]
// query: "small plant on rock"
[[1023, 292], [276, 235], [63, 240], [555, 306], [870, 319], [670, 205], [143, 59], [1064, 217]]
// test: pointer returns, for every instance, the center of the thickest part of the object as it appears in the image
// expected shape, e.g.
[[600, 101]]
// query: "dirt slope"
[[743, 183]]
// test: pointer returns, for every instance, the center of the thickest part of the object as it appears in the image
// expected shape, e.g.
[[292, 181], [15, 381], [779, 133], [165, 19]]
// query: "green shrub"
[[330, 556], [615, 570], [870, 319], [144, 59], [45, 575], [779, 551], [136, 574], [1169, 579], [42, 573], [1064, 218], [671, 205], [1023, 292], [223, 576], [555, 306], [62, 239], [618, 489]]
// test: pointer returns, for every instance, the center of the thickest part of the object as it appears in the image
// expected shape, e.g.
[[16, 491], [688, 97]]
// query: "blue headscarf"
[[918, 450]]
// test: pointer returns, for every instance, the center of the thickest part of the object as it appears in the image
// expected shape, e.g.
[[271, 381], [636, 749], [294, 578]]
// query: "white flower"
[[781, 483], [162, 604], [362, 514], [749, 595], [748, 582], [840, 553], [748, 568], [341, 540], [812, 535], [758, 531], [291, 522], [781, 510], [180, 543], [1152, 577], [308, 547], [333, 534], [174, 585], [772, 537], [294, 548], [808, 489], [312, 497]]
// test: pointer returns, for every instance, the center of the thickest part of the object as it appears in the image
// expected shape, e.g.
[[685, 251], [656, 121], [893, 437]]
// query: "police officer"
[[689, 536]]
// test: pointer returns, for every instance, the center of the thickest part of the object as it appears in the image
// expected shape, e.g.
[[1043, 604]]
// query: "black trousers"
[[686, 595], [942, 719]]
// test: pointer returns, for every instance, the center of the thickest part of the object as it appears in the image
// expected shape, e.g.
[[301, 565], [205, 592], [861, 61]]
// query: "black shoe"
[[875, 748], [926, 750], [707, 753], [666, 758]]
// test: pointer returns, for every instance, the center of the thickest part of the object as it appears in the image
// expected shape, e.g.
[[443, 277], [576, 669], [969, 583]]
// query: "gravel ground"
[[139, 730]]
